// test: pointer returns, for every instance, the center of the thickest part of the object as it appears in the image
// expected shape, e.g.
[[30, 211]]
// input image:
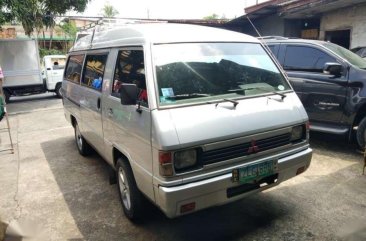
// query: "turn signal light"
[[166, 164]]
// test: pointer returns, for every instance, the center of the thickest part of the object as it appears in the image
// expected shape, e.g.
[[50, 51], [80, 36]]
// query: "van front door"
[[128, 127], [91, 96]]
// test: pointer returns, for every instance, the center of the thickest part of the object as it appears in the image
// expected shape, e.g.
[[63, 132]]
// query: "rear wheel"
[[130, 195], [7, 96], [58, 90], [83, 147], [361, 134]]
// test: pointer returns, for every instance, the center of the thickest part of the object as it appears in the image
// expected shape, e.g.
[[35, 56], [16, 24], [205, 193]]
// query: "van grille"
[[245, 149]]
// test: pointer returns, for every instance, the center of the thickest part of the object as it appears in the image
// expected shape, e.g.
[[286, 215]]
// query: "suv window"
[[130, 70], [94, 70], [305, 58], [73, 69]]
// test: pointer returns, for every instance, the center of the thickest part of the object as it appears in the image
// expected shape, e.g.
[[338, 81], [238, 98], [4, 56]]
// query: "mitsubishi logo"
[[253, 148]]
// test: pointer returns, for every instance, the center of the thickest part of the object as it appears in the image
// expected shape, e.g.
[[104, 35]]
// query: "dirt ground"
[[50, 192]]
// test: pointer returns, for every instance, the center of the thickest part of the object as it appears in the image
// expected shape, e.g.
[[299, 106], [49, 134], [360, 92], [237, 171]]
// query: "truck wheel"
[[361, 134], [130, 196], [83, 147], [58, 90], [7, 96]]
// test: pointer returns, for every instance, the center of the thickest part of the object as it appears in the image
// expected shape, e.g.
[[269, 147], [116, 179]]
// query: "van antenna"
[[264, 44], [92, 37]]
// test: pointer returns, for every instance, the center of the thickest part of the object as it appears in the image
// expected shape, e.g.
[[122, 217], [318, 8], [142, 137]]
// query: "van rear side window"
[[94, 71], [73, 69]]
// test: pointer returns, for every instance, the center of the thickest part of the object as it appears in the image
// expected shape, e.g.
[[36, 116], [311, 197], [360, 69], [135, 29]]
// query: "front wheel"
[[361, 134], [83, 147], [130, 195]]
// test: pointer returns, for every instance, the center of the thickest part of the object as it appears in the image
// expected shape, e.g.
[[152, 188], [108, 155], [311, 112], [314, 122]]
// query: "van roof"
[[139, 34]]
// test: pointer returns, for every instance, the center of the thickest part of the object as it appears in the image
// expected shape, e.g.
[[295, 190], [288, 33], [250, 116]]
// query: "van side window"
[[130, 69], [303, 58], [73, 69], [94, 71]]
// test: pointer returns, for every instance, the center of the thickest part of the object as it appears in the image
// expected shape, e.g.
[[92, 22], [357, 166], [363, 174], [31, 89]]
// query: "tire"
[[83, 147], [361, 134], [130, 195], [7, 96], [58, 90]]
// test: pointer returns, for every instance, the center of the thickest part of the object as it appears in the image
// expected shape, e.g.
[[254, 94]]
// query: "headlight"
[[184, 159], [297, 133]]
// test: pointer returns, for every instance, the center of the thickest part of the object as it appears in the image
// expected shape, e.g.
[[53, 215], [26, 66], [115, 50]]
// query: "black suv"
[[330, 81]]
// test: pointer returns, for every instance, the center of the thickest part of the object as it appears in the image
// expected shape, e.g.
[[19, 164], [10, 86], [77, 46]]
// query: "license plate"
[[254, 172]]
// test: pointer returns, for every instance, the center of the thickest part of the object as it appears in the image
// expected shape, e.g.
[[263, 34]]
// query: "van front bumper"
[[219, 190]]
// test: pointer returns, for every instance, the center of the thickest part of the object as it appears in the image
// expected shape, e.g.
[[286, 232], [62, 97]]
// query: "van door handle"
[[110, 112], [98, 103]]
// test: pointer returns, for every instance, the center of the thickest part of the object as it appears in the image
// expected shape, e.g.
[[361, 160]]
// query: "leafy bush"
[[43, 52]]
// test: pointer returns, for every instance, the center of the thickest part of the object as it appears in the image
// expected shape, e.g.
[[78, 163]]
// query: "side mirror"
[[128, 93], [333, 69]]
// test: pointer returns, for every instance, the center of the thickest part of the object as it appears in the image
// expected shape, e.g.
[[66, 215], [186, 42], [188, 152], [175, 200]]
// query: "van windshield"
[[351, 57], [202, 72]]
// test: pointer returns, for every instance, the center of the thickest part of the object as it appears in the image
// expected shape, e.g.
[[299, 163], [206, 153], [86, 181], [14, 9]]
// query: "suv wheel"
[[361, 134]]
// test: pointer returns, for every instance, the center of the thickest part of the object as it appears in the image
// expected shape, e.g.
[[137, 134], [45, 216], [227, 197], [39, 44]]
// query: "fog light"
[[187, 207]]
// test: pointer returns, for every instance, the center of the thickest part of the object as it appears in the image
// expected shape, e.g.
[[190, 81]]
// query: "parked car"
[[360, 51], [189, 117], [330, 81]]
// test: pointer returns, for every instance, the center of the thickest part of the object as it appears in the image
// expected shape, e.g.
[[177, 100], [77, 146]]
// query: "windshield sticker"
[[281, 87], [167, 92]]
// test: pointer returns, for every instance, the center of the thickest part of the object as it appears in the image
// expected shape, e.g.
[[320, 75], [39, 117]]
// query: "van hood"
[[201, 124]]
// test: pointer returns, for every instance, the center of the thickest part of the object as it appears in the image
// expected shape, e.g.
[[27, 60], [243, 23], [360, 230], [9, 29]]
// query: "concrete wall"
[[353, 18]]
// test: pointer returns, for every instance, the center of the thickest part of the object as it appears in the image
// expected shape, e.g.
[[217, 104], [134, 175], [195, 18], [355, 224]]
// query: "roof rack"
[[273, 37], [103, 24]]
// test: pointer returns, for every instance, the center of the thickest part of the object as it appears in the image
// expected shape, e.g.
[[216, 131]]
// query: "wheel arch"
[[361, 113]]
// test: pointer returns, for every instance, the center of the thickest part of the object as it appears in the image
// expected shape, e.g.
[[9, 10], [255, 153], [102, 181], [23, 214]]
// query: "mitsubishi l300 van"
[[189, 117]]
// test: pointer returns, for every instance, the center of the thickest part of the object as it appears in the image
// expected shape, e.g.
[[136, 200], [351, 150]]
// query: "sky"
[[171, 9]]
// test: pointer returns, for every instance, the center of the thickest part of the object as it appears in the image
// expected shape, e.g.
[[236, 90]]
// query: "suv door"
[[323, 95]]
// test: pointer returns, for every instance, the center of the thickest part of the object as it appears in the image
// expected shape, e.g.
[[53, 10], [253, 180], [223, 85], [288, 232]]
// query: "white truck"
[[19, 59], [52, 72]]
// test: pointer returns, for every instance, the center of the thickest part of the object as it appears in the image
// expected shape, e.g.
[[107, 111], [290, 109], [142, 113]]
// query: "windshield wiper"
[[283, 96], [235, 103], [186, 96]]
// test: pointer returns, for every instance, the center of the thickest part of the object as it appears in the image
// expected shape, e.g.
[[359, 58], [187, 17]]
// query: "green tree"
[[37, 14], [69, 29], [109, 11], [211, 17]]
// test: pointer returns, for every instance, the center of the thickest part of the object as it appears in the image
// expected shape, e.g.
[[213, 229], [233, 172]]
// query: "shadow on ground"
[[33, 103], [310, 210]]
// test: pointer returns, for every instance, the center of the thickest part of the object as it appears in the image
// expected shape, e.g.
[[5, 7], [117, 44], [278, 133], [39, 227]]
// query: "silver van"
[[189, 117]]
